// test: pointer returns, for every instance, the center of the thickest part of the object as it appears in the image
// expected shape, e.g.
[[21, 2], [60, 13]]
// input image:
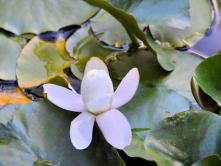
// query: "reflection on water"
[[211, 43]]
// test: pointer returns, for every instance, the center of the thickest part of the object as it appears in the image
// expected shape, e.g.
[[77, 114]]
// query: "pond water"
[[208, 46], [211, 43]]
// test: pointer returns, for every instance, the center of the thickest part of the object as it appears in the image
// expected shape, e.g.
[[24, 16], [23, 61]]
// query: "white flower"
[[97, 101]]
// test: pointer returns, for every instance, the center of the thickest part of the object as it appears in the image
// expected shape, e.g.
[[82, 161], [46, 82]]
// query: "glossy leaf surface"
[[185, 138], [41, 61], [22, 16], [38, 134]]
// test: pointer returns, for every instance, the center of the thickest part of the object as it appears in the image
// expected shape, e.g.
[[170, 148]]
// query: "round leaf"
[[160, 94], [38, 134], [201, 19], [185, 138], [109, 30], [214, 160], [207, 75], [41, 61], [82, 45], [9, 52], [162, 12], [137, 149], [40, 16]]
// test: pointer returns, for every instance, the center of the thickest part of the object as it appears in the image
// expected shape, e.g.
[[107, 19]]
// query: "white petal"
[[95, 63], [81, 130], [97, 90], [100, 104], [115, 128], [126, 89], [64, 98]]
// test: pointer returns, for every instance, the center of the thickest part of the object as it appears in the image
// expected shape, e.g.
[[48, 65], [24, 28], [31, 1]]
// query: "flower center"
[[97, 91], [100, 105]]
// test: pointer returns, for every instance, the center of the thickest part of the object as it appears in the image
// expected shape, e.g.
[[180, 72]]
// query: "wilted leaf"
[[41, 61], [11, 94]]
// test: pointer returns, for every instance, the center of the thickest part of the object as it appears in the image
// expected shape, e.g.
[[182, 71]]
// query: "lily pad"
[[207, 75], [43, 15], [38, 134], [150, 70], [137, 148], [179, 79], [161, 12], [204, 100], [127, 20], [109, 30], [185, 138], [82, 45], [214, 160], [41, 61], [153, 101], [164, 55], [201, 19], [9, 52]]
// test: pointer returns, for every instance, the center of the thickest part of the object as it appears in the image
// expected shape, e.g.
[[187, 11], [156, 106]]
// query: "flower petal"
[[81, 130], [115, 128], [95, 63], [126, 89], [64, 98], [97, 90]]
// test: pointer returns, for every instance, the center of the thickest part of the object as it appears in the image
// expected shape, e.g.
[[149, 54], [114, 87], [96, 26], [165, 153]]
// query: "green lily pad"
[[38, 134], [153, 101], [213, 160], [150, 70], [185, 138], [204, 101], [164, 55], [144, 60], [127, 20], [179, 79], [137, 148], [207, 75], [43, 15], [162, 12], [109, 30], [201, 19], [82, 45], [41, 61], [9, 52]]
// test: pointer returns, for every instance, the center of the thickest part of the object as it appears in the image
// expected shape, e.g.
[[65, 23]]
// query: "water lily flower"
[[97, 102]]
